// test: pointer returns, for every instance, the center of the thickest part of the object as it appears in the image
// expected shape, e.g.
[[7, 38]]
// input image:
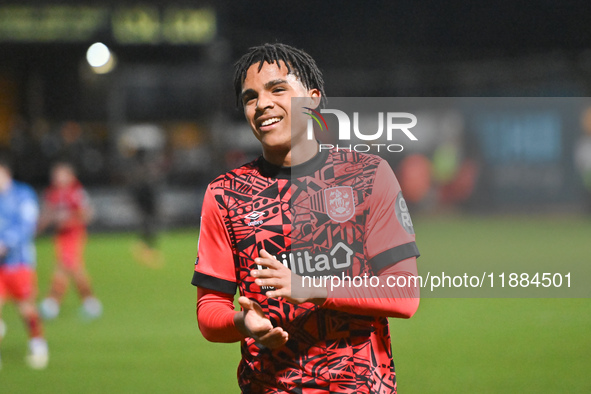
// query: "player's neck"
[[293, 155]]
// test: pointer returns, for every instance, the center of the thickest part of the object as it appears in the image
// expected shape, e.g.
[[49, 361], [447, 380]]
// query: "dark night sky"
[[505, 24], [420, 28], [339, 35], [352, 33]]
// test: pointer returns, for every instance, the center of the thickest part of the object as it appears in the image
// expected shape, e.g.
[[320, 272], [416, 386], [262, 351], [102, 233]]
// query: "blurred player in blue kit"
[[19, 212]]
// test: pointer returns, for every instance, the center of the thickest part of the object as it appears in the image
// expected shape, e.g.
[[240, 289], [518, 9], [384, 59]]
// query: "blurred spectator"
[[71, 144], [144, 177], [29, 163], [583, 157]]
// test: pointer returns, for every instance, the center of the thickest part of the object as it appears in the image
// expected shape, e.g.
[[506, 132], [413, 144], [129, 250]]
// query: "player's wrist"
[[239, 324], [318, 295], [301, 293]]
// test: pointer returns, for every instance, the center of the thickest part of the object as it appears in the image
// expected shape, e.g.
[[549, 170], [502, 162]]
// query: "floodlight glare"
[[98, 54]]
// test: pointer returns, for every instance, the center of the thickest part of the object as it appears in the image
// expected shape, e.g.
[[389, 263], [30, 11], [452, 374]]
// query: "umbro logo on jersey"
[[253, 216]]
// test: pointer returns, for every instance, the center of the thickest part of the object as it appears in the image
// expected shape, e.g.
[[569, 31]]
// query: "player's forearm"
[[219, 326], [215, 316], [83, 215], [228, 328], [88, 214], [74, 219], [382, 301], [395, 293]]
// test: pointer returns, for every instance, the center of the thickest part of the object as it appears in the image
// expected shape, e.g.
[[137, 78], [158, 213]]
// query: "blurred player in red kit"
[[299, 211], [19, 212], [67, 207]]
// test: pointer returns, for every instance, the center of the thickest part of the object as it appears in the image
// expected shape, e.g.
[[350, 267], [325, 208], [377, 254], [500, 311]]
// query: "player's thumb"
[[245, 303], [250, 305]]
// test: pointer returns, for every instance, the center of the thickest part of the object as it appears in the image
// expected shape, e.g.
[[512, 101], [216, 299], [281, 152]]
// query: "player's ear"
[[315, 97]]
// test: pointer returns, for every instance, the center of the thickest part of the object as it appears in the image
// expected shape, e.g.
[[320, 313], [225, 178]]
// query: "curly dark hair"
[[298, 63]]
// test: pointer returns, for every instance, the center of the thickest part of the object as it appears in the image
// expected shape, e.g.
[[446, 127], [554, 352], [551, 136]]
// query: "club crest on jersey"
[[340, 205]]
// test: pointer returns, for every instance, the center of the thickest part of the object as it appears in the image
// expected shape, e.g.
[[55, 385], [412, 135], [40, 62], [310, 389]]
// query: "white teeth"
[[270, 121]]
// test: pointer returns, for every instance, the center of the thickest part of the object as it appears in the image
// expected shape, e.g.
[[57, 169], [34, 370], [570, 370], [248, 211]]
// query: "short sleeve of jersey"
[[389, 231], [214, 268]]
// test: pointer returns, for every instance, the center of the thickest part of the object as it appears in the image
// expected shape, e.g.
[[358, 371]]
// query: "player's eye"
[[248, 99]]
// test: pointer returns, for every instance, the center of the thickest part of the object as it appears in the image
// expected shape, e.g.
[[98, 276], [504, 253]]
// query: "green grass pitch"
[[147, 340]]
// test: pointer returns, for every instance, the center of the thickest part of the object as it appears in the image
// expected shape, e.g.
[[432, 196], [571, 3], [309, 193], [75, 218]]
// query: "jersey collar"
[[309, 167]]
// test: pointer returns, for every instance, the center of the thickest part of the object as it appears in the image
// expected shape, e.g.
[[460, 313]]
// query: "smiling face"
[[266, 97]]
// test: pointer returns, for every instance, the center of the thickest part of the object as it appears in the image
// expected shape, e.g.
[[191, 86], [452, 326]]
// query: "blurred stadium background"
[[161, 86], [164, 85]]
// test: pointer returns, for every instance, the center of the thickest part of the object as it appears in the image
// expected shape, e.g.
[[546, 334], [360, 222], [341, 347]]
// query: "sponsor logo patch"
[[403, 215]]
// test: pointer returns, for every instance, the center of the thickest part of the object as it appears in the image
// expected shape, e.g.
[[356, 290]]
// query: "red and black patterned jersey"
[[339, 213]]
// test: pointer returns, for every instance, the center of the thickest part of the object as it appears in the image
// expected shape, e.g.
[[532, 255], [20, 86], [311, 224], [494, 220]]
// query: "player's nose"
[[264, 101]]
